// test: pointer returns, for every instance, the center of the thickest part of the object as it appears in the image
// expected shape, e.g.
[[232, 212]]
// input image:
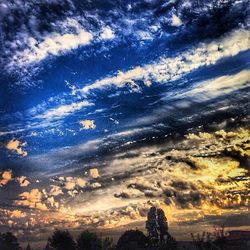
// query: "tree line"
[[157, 238]]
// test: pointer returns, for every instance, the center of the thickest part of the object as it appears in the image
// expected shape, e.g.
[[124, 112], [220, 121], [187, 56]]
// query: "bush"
[[131, 240], [62, 240], [88, 241], [9, 242]]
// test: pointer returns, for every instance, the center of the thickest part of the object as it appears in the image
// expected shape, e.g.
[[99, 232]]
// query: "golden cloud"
[[87, 124], [5, 177], [94, 173], [18, 214], [32, 199], [200, 177], [22, 180], [16, 145]]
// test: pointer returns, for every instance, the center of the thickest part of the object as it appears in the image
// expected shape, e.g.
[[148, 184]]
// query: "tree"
[[151, 226], [62, 240], [28, 247], [107, 244], [48, 247], [131, 240], [162, 223], [88, 241], [9, 242], [157, 225]]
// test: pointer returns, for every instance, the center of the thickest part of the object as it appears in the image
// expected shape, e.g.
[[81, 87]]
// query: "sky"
[[110, 107]]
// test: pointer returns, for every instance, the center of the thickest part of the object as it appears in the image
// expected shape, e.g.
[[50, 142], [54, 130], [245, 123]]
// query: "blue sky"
[[135, 70]]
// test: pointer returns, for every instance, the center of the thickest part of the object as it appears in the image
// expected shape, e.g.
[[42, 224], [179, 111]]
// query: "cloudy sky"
[[110, 107]]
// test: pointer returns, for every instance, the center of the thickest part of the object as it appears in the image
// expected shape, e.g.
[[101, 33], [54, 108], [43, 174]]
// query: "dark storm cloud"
[[184, 194]]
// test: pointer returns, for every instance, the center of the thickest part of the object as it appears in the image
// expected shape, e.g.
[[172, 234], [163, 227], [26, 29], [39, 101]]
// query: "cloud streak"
[[171, 69], [55, 45], [223, 85], [63, 110]]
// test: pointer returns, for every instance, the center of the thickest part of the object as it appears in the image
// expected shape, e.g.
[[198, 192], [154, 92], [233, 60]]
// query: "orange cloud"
[[23, 181], [32, 199], [5, 177], [94, 173], [18, 214], [87, 124], [16, 145]]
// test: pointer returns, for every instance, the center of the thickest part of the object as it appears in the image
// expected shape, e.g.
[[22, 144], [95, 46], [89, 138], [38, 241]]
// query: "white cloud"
[[16, 145], [68, 35], [176, 21], [53, 44], [107, 33], [171, 69], [64, 110], [119, 80], [221, 85], [130, 132]]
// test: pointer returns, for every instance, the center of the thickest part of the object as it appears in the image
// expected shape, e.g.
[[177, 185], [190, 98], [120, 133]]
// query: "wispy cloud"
[[171, 69], [69, 36], [220, 86], [63, 110], [53, 44]]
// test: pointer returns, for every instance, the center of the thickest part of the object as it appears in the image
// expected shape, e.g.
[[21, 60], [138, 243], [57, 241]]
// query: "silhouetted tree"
[[28, 247], [157, 225], [131, 240], [48, 247], [162, 223], [151, 226], [62, 240], [88, 241], [107, 244], [168, 244], [8, 242]]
